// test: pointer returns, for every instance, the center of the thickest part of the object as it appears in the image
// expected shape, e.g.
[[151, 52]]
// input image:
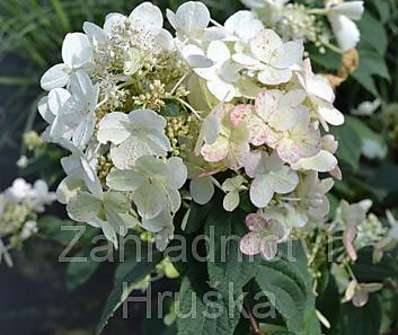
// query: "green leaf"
[[197, 217], [78, 273], [383, 8], [227, 266], [124, 287], [371, 64], [366, 80], [367, 271], [171, 109], [64, 231], [373, 34], [203, 311], [288, 285], [364, 321], [349, 144]]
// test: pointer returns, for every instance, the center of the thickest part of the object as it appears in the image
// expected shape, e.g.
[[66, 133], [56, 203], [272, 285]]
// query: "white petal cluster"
[[316, 25], [232, 106], [20, 205]]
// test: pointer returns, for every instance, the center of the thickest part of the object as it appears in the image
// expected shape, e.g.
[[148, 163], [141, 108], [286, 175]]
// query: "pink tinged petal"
[[250, 244], [217, 151], [303, 141], [348, 240], [289, 114], [267, 103], [259, 132], [55, 77], [269, 248], [255, 222], [288, 151], [237, 155], [239, 114], [336, 173]]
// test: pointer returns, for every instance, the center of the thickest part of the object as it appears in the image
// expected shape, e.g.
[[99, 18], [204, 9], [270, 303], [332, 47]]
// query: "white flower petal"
[[330, 114], [113, 19], [192, 18], [95, 34], [201, 189], [231, 201], [351, 9], [148, 16], [44, 110], [114, 128], [264, 45], [222, 90], [147, 118], [124, 180], [283, 181], [158, 223], [261, 192], [150, 201], [84, 207], [290, 54], [345, 30], [55, 77], [218, 52], [176, 172], [324, 161], [56, 99], [244, 25], [76, 50], [273, 76], [83, 133]]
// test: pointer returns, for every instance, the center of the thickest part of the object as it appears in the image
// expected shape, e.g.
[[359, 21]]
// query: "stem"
[[318, 11], [178, 84], [333, 48], [253, 322]]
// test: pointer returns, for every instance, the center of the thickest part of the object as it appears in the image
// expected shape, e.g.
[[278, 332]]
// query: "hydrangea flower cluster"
[[154, 122], [20, 205], [320, 26]]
